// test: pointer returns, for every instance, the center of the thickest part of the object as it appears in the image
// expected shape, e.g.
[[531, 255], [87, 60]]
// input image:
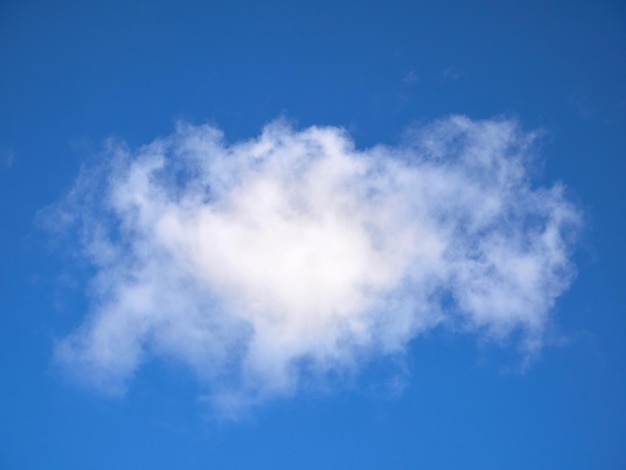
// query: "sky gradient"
[[322, 235]]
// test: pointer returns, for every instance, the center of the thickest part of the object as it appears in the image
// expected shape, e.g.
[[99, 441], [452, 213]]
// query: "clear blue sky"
[[74, 74]]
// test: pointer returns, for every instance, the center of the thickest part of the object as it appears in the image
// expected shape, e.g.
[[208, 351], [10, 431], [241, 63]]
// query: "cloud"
[[451, 73], [7, 157], [410, 78], [286, 257]]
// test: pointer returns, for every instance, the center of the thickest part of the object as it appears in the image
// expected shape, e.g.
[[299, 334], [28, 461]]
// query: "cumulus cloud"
[[295, 253]]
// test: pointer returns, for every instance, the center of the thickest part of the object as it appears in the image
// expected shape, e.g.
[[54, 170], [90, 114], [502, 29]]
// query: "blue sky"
[[312, 235]]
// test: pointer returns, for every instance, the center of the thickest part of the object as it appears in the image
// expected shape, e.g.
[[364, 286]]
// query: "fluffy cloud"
[[256, 261]]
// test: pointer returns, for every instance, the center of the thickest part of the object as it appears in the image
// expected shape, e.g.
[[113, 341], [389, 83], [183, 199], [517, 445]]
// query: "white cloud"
[[254, 261]]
